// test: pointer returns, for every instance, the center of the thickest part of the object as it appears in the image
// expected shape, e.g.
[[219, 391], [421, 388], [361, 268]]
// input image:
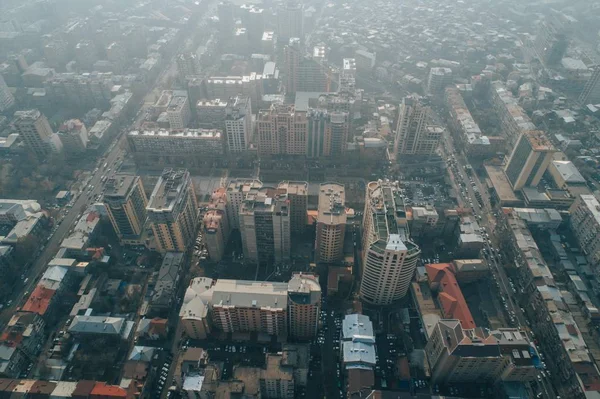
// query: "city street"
[[492, 253]]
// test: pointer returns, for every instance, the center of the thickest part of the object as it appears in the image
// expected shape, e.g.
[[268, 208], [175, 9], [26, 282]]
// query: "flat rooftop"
[[539, 141], [254, 294], [117, 186], [501, 185], [168, 190], [332, 208], [184, 133]]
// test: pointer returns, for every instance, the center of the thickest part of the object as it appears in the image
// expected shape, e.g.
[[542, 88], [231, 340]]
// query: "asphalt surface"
[[488, 223]]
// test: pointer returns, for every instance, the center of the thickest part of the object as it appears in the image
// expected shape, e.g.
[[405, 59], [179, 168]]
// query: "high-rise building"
[[178, 111], [238, 123], [297, 196], [529, 159], [187, 64], [304, 304], [173, 211], [236, 194], [552, 40], [216, 226], [328, 124], [116, 53], [591, 90], [7, 100], [281, 130], [264, 219], [439, 78], [35, 131], [389, 256], [85, 55], [348, 76], [458, 355], [190, 147], [290, 21], [56, 53], [224, 87], [413, 134], [513, 119], [225, 11], [74, 137], [126, 202], [585, 223], [331, 223], [303, 72]]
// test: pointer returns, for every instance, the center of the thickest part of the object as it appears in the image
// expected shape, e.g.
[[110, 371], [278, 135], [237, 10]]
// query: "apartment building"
[[194, 311], [457, 354], [236, 193], [327, 133], [126, 201], [224, 87], [558, 334], [178, 110], [173, 211], [238, 123], [297, 195], [304, 73], [529, 159], [585, 224], [35, 131], [7, 100], [74, 137], [331, 223], [290, 21], [264, 223], [467, 131], [193, 148], [211, 114], [389, 256], [304, 304], [281, 130], [250, 306], [591, 90], [513, 118], [216, 225], [439, 78], [347, 81], [414, 134]]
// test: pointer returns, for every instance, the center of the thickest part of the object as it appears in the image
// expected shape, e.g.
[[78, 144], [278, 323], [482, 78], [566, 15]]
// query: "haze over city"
[[220, 199]]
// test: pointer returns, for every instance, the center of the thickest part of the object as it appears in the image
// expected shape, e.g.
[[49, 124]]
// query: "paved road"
[[488, 223], [39, 265]]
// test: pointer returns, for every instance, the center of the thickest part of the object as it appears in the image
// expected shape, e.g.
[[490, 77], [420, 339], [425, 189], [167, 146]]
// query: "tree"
[[25, 249]]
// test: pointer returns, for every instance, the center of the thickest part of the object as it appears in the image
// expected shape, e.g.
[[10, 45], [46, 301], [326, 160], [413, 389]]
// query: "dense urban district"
[[299, 199]]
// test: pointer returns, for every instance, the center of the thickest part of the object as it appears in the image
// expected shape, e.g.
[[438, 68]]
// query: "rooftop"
[[591, 202], [97, 325], [118, 186], [453, 303], [569, 172], [357, 325], [332, 209], [539, 141], [182, 133], [169, 191], [255, 294], [501, 185]]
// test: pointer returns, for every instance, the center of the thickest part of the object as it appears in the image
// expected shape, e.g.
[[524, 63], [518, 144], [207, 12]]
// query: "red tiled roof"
[[450, 297], [158, 326], [39, 300], [103, 391]]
